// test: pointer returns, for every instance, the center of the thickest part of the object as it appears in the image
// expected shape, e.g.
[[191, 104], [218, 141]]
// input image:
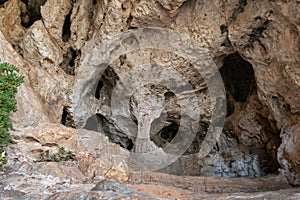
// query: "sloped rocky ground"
[[56, 44], [103, 173]]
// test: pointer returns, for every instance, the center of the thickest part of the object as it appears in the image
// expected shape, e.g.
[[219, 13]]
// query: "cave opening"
[[70, 60], [249, 141], [241, 151], [165, 128], [66, 118], [66, 30], [3, 1], [104, 87], [31, 12], [239, 80], [168, 133], [246, 123]]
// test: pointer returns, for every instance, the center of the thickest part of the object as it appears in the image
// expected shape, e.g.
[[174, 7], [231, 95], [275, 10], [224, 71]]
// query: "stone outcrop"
[[288, 153], [73, 79], [91, 149], [100, 170], [30, 107]]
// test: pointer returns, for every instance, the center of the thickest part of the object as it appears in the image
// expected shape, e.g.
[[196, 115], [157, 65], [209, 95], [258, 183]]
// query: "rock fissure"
[[66, 31]]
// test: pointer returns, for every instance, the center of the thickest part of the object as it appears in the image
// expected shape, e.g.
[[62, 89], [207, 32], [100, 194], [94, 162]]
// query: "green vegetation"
[[61, 155], [9, 82]]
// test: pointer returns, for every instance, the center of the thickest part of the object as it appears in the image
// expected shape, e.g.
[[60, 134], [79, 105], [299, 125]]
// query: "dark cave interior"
[[233, 155]]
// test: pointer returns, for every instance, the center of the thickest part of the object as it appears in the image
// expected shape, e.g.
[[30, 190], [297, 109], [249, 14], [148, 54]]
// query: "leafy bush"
[[9, 82], [61, 155]]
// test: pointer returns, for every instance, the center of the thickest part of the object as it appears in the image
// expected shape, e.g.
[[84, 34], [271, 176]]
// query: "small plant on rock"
[[9, 82], [61, 155]]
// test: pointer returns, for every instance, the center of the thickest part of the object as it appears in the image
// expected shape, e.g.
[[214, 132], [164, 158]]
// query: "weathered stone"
[[54, 14], [81, 21], [147, 14], [38, 45], [30, 107], [44, 73], [91, 149], [255, 44], [171, 5], [10, 22], [288, 153], [249, 122]]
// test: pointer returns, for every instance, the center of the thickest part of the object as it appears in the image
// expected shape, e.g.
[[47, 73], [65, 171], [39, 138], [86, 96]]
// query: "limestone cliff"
[[97, 65]]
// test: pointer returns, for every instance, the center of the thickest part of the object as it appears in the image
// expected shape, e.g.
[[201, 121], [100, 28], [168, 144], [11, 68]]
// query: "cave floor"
[[146, 185]]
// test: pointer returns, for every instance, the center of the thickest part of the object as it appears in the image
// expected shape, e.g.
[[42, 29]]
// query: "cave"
[[105, 85], [82, 63], [66, 32], [239, 80], [70, 61], [233, 156], [66, 118], [31, 12], [236, 154], [241, 93]]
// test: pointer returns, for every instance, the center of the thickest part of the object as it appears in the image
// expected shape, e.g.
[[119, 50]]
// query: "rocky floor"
[[100, 171], [46, 184]]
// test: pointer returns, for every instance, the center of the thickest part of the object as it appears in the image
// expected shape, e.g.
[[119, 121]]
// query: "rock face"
[[29, 103], [288, 154], [86, 64], [91, 149]]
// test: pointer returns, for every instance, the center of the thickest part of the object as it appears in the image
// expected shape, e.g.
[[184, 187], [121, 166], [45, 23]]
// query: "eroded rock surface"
[[288, 154], [100, 170], [90, 149], [254, 44]]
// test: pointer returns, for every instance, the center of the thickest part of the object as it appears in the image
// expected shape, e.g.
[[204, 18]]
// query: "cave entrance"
[[105, 85], [239, 80], [247, 130], [31, 12], [171, 123], [101, 122], [249, 141]]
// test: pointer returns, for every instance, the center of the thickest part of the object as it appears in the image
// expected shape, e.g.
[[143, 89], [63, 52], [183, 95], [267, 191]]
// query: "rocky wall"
[[255, 44]]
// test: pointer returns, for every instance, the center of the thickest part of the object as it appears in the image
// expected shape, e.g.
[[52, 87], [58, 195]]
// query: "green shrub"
[[9, 82]]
